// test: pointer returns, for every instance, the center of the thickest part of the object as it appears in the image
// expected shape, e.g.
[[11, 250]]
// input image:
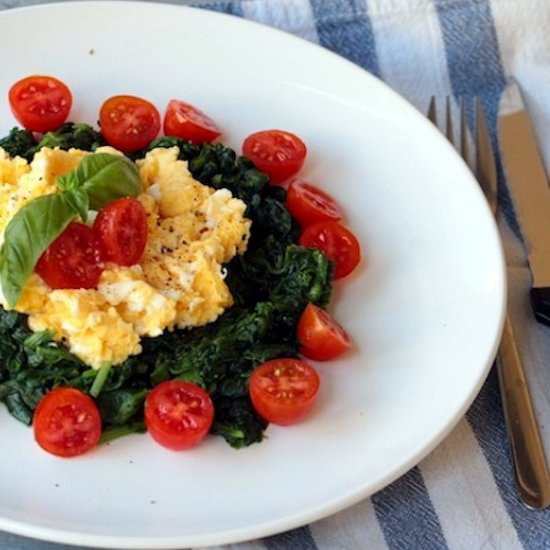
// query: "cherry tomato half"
[[283, 391], [73, 260], [178, 414], [309, 204], [67, 422], [40, 103], [278, 153], [320, 336], [338, 243], [121, 228], [187, 122], [129, 123]]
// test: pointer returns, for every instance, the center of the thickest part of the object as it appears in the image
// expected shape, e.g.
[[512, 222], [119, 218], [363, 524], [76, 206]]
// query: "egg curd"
[[193, 231]]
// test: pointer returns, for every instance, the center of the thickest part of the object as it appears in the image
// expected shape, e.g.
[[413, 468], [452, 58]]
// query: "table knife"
[[530, 192]]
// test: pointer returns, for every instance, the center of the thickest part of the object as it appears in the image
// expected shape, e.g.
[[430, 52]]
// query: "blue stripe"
[[233, 8], [407, 516], [475, 69], [486, 419], [344, 27], [471, 46], [15, 542], [299, 539]]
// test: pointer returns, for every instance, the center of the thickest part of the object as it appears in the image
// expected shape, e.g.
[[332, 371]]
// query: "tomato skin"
[[309, 204], [320, 336], [121, 228], [283, 391], [67, 422], [73, 260], [40, 103], [129, 123], [338, 243], [278, 153], [185, 121], [178, 414]]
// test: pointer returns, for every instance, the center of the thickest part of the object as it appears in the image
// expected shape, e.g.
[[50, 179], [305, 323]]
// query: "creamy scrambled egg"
[[193, 231]]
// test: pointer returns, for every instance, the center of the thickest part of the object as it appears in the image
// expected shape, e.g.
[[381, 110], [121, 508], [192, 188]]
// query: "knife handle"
[[540, 302], [528, 457]]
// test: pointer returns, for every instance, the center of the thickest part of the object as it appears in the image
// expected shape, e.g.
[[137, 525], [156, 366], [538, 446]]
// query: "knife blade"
[[530, 192]]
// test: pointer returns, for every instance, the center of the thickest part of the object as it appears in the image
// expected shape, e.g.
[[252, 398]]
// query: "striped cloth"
[[463, 495]]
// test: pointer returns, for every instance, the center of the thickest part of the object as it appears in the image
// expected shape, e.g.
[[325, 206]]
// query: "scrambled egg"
[[193, 231]]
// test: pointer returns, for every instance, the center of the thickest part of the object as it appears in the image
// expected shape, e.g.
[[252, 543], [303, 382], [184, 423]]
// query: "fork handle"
[[528, 457]]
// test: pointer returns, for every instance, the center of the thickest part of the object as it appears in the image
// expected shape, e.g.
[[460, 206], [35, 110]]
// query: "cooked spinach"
[[22, 143], [72, 135], [271, 284], [19, 143], [31, 364]]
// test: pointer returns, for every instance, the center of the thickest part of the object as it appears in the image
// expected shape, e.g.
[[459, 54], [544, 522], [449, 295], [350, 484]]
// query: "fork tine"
[[486, 172], [432, 111], [449, 120], [464, 133]]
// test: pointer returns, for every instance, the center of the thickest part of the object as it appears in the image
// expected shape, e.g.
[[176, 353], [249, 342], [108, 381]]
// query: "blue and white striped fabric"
[[463, 495]]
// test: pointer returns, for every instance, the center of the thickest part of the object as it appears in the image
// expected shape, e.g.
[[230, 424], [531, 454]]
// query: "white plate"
[[425, 309]]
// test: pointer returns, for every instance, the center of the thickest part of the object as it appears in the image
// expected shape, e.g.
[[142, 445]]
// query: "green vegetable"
[[100, 379], [237, 422], [98, 180], [71, 135], [120, 406], [31, 365], [271, 284], [27, 235], [19, 143], [102, 178]]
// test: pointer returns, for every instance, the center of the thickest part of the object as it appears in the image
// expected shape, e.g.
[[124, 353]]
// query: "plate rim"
[[327, 508]]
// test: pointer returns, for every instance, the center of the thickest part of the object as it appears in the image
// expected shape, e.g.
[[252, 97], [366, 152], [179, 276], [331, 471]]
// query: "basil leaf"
[[104, 177], [78, 200], [33, 228], [98, 180]]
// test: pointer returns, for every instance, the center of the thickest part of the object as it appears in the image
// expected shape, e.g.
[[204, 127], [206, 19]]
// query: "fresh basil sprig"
[[99, 179]]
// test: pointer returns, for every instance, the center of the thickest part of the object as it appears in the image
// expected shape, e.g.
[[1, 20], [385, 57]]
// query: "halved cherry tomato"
[[73, 260], [178, 414], [187, 122], [283, 391], [338, 243], [40, 103], [121, 228], [67, 422], [320, 336], [309, 204], [129, 123], [278, 153]]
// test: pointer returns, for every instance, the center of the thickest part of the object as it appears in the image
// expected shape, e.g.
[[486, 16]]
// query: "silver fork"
[[530, 468]]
